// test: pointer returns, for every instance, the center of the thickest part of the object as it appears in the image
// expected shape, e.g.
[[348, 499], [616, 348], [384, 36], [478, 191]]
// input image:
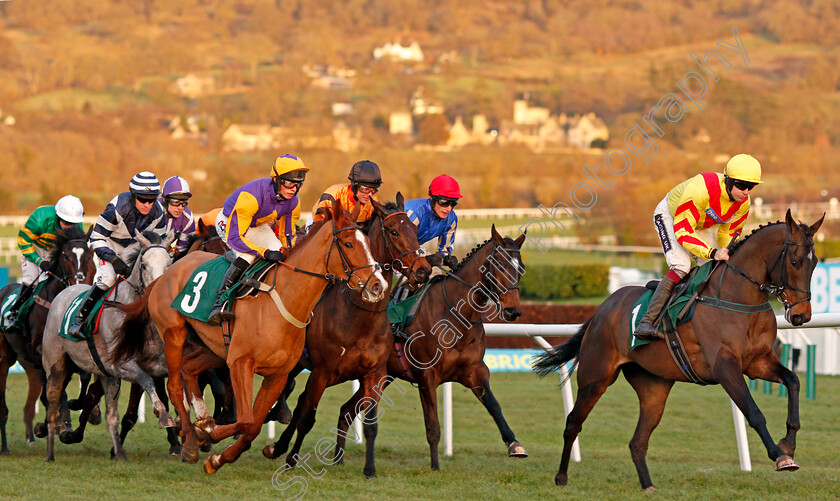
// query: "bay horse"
[[349, 340], [61, 356], [722, 345], [72, 264], [446, 341], [263, 340]]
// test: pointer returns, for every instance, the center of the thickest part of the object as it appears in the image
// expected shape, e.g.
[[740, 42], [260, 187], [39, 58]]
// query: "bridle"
[[79, 276], [391, 248], [345, 264], [139, 290], [772, 288]]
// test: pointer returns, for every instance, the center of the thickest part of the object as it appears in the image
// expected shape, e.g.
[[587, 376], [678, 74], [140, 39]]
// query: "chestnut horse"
[[349, 340], [723, 345], [263, 339], [446, 340], [72, 264]]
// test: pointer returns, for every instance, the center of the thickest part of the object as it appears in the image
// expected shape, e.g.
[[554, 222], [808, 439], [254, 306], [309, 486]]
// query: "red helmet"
[[445, 186]]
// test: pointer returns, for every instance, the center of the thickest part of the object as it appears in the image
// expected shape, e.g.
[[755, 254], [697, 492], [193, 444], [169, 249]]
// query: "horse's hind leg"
[[653, 392], [770, 369], [77, 404], [130, 417], [171, 432], [92, 397], [478, 381], [315, 387], [590, 389], [728, 372], [282, 444], [428, 399], [7, 358]]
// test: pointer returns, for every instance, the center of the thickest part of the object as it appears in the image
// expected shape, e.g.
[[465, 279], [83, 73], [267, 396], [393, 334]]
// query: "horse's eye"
[[349, 245], [395, 233], [794, 263]]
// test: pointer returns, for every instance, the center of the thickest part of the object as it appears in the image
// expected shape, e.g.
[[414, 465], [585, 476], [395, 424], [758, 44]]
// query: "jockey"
[[365, 180], [435, 217], [179, 218], [686, 219], [37, 239], [245, 222], [113, 241]]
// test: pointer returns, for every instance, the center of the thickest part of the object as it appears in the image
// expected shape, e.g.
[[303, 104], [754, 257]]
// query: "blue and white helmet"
[[144, 183]]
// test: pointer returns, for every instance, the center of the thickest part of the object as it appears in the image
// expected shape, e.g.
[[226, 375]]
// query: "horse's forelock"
[[153, 237]]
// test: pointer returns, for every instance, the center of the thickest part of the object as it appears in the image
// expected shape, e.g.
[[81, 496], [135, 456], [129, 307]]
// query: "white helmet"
[[69, 208]]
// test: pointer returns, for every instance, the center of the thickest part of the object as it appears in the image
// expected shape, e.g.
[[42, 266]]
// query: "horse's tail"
[[130, 337], [550, 361]]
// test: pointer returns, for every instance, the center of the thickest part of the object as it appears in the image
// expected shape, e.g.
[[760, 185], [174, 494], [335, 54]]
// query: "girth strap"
[[94, 353], [279, 302], [675, 346]]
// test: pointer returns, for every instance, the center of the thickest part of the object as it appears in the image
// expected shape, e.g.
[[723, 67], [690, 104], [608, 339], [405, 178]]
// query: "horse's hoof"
[[561, 480], [120, 456], [95, 417], [50, 459], [70, 437], [649, 489], [166, 422], [189, 455], [41, 430], [5, 452], [206, 446], [284, 416], [211, 464], [515, 450], [786, 463], [268, 452], [175, 450], [206, 425]]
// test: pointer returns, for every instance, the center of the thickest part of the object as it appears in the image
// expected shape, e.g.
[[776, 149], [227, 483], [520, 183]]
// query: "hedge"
[[827, 249], [554, 281]]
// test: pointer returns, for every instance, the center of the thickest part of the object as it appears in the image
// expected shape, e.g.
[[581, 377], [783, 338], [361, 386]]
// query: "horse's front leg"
[[478, 380], [428, 398], [728, 372], [770, 369]]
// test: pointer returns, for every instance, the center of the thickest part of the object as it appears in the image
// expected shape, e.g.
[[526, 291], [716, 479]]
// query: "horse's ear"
[[376, 206], [816, 226], [170, 237], [791, 224], [144, 242], [521, 239], [495, 234], [89, 231], [202, 227], [343, 217], [400, 201], [356, 211]]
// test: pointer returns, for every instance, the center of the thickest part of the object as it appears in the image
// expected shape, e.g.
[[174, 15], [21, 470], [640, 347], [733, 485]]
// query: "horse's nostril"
[[376, 289]]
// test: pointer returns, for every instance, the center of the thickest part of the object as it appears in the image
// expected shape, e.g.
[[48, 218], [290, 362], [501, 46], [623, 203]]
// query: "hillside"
[[91, 85]]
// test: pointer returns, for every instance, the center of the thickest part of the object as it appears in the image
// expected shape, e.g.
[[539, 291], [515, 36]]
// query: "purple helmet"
[[176, 185]]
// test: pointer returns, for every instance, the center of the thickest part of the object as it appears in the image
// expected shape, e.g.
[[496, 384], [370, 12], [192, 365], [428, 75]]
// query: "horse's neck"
[[457, 292], [754, 259], [305, 289]]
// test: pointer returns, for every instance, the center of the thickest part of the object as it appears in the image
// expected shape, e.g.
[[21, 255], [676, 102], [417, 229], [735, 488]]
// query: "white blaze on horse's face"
[[377, 275]]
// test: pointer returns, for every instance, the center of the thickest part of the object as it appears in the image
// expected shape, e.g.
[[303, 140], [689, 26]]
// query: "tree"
[[433, 129]]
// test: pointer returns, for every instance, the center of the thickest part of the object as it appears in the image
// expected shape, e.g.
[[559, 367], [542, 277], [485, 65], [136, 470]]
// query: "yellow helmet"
[[743, 168], [289, 167]]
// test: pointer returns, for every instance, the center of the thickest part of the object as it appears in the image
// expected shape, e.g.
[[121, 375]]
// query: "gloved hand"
[[435, 259], [120, 268], [45, 265], [274, 255], [450, 261]]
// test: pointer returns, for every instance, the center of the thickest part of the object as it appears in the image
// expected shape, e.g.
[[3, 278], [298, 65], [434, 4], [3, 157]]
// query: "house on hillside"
[[345, 137], [400, 122], [583, 129], [244, 138], [539, 130], [396, 52], [192, 85], [420, 106]]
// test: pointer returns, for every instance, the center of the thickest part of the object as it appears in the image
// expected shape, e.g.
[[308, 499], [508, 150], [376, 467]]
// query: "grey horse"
[[59, 354]]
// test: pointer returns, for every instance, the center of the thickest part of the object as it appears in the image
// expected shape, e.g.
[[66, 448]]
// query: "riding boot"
[[220, 312], [24, 294], [94, 294], [646, 330]]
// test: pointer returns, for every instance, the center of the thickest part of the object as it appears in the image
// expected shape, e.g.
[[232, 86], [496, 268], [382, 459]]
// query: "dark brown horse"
[[72, 264], [266, 338], [722, 345], [446, 341], [348, 339]]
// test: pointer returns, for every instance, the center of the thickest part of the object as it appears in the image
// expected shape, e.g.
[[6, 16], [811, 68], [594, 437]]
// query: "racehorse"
[[350, 340], [72, 263], [61, 355], [722, 345], [446, 339], [207, 240], [267, 336]]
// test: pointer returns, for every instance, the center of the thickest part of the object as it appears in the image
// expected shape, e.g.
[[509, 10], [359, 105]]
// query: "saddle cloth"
[[198, 296], [683, 293]]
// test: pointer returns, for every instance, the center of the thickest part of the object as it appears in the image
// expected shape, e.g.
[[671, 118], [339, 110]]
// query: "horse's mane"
[[61, 238], [477, 248], [302, 239], [192, 237], [804, 227]]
